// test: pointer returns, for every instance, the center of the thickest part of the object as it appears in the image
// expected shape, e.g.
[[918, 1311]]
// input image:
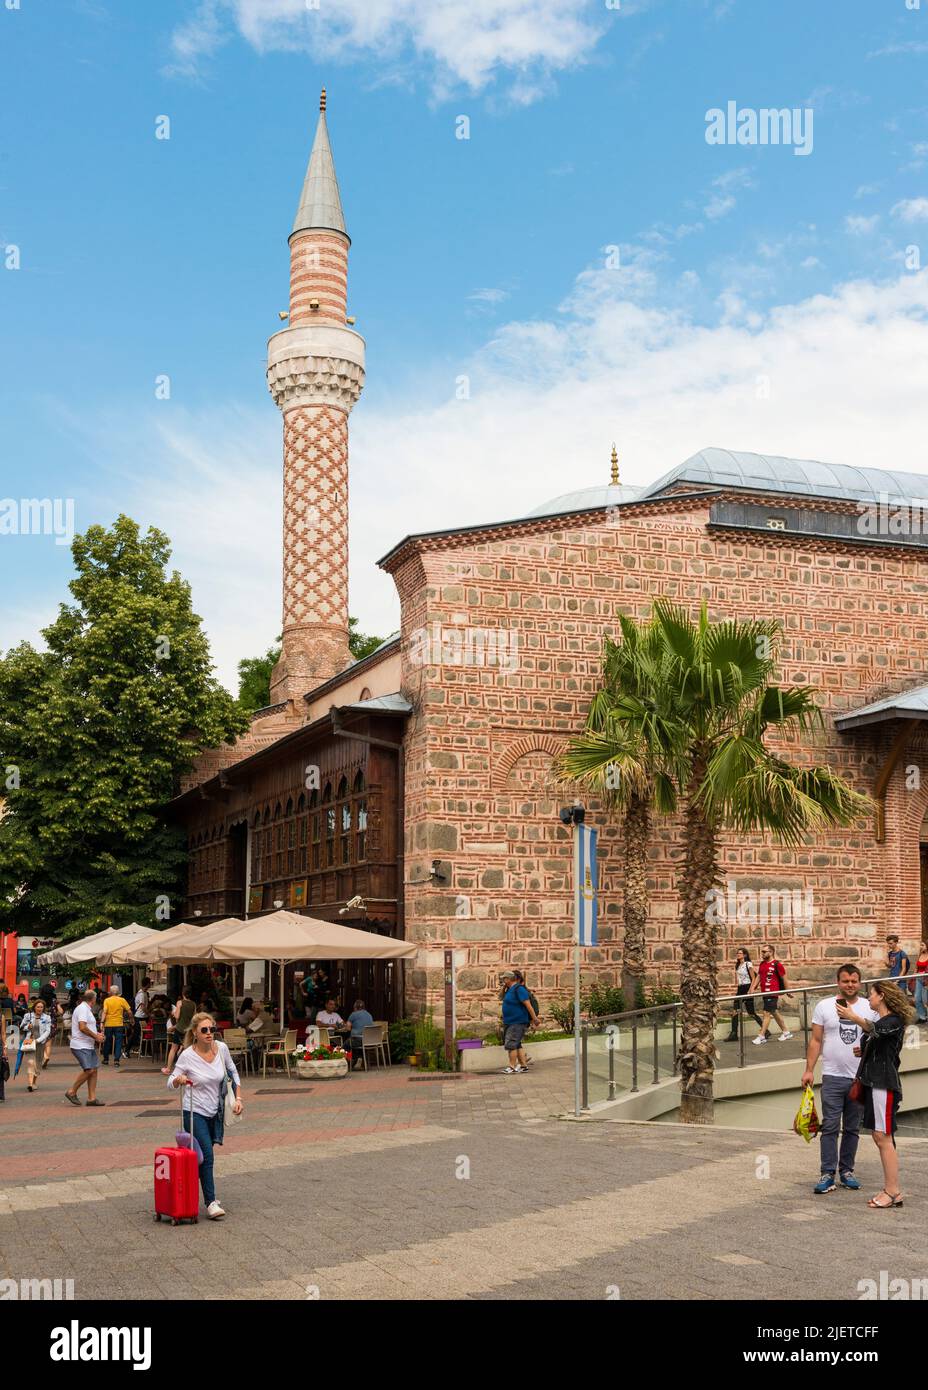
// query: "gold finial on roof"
[[322, 101], [614, 479]]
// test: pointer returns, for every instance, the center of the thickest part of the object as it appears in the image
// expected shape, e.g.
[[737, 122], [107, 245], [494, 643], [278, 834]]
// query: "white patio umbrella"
[[281, 937], [95, 947], [127, 938]]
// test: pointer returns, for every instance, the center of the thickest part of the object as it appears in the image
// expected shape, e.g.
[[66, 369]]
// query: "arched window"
[[358, 781], [301, 804], [365, 693], [289, 810], [329, 826]]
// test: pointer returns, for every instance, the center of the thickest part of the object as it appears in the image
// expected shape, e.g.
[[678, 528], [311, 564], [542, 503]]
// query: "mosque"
[[410, 792]]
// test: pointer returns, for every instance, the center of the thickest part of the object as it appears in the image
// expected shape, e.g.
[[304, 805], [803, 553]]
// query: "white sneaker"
[[521, 1069], [759, 1040], [215, 1212], [784, 1037], [510, 1071]]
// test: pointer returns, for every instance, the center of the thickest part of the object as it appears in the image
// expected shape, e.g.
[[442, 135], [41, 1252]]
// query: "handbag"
[[856, 1093], [229, 1116]]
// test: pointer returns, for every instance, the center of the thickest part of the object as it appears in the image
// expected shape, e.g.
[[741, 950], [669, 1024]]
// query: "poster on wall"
[[298, 893], [255, 899]]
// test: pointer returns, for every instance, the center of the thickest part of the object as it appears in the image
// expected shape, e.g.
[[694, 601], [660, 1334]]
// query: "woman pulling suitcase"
[[206, 1066]]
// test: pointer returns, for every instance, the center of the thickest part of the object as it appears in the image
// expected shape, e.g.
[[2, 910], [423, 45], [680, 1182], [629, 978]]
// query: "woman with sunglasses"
[[205, 1065]]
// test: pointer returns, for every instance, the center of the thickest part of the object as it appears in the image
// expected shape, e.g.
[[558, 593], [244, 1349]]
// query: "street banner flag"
[[585, 886]]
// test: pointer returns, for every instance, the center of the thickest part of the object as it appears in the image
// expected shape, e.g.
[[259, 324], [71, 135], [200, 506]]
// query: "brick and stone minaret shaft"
[[315, 373]]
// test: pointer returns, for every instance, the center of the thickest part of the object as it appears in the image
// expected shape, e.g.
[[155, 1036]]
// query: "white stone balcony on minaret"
[[316, 364]]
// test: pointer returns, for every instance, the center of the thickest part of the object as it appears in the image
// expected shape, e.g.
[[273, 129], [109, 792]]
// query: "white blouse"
[[206, 1076]]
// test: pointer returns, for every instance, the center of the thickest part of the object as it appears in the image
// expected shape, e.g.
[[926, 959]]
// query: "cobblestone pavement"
[[390, 1187]]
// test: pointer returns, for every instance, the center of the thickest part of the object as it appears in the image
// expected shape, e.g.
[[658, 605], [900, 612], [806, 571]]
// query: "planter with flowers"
[[318, 1062]]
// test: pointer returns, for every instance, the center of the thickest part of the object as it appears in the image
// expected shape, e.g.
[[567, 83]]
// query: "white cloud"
[[810, 263], [894, 50], [861, 226], [911, 210], [489, 296], [469, 44], [723, 200], [846, 381]]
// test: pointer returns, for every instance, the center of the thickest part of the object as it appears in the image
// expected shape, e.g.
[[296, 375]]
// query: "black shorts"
[[771, 1003]]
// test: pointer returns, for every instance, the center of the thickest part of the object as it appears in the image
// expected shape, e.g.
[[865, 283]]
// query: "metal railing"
[[667, 1018]]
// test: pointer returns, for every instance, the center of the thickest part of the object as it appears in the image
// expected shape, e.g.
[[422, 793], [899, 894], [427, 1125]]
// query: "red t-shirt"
[[767, 970]]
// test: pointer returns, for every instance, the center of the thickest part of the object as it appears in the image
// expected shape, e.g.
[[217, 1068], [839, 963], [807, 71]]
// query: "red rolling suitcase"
[[177, 1186]]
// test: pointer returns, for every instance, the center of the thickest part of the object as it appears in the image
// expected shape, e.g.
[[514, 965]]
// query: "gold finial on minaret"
[[614, 479], [322, 101]]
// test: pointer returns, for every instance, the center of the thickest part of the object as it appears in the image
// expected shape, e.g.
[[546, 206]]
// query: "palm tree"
[[622, 757], [723, 700]]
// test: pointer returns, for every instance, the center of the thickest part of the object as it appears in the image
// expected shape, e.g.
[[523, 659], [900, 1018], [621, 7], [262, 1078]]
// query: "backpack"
[[780, 974]]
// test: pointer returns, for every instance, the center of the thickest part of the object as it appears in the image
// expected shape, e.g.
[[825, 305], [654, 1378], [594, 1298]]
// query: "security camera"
[[356, 903], [572, 815], [314, 304]]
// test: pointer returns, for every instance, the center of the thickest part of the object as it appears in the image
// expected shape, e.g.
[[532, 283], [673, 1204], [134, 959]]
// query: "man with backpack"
[[520, 1009], [771, 982]]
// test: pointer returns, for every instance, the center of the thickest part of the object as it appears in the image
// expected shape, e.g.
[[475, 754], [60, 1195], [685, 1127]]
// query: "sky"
[[585, 267]]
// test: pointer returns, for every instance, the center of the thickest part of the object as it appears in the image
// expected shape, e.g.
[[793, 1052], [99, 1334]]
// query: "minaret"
[[315, 373]]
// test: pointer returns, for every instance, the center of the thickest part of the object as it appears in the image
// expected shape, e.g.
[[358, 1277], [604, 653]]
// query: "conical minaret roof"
[[320, 203]]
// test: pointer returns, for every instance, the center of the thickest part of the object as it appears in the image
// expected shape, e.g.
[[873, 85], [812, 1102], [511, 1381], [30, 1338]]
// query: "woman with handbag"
[[35, 1032], [878, 1078], [206, 1066]]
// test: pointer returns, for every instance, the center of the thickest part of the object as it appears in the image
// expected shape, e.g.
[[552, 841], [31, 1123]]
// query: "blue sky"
[[762, 300]]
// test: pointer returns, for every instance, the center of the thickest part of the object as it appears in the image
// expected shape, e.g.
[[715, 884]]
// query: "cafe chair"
[[382, 1023], [324, 1040], [373, 1039], [236, 1040], [281, 1049]]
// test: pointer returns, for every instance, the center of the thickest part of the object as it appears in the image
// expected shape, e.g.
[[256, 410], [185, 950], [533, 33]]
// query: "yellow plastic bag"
[[806, 1121]]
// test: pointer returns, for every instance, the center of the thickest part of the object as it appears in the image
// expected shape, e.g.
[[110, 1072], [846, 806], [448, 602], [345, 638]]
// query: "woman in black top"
[[878, 1074]]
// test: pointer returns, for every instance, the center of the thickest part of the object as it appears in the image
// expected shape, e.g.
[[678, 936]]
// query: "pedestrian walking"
[[518, 1015], [898, 964], [84, 1037], [35, 1034], [838, 1042], [745, 975], [114, 1017], [182, 1013], [771, 981], [921, 984], [878, 1075], [205, 1066]]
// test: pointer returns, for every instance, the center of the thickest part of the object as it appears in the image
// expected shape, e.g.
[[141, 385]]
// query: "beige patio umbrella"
[[194, 944], [284, 936], [145, 950]]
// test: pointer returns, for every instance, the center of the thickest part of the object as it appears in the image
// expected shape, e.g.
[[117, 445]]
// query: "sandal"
[[895, 1200]]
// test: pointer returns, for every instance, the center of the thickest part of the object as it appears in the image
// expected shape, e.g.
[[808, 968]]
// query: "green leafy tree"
[[97, 731], [358, 644], [720, 705], [254, 672]]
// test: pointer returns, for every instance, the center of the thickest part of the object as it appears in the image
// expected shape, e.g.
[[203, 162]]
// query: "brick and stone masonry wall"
[[481, 741]]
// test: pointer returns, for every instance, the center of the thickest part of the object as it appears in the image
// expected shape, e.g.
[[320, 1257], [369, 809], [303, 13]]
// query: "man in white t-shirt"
[[838, 1044], [84, 1036], [330, 1018]]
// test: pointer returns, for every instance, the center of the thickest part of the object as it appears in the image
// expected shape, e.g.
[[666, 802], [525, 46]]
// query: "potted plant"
[[319, 1062], [428, 1039]]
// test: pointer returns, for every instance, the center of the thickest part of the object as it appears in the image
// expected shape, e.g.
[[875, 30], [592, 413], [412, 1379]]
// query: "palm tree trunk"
[[636, 834], [700, 937]]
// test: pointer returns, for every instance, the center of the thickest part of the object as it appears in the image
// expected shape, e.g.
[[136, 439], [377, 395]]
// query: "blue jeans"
[[112, 1037], [835, 1108], [204, 1131], [921, 998]]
